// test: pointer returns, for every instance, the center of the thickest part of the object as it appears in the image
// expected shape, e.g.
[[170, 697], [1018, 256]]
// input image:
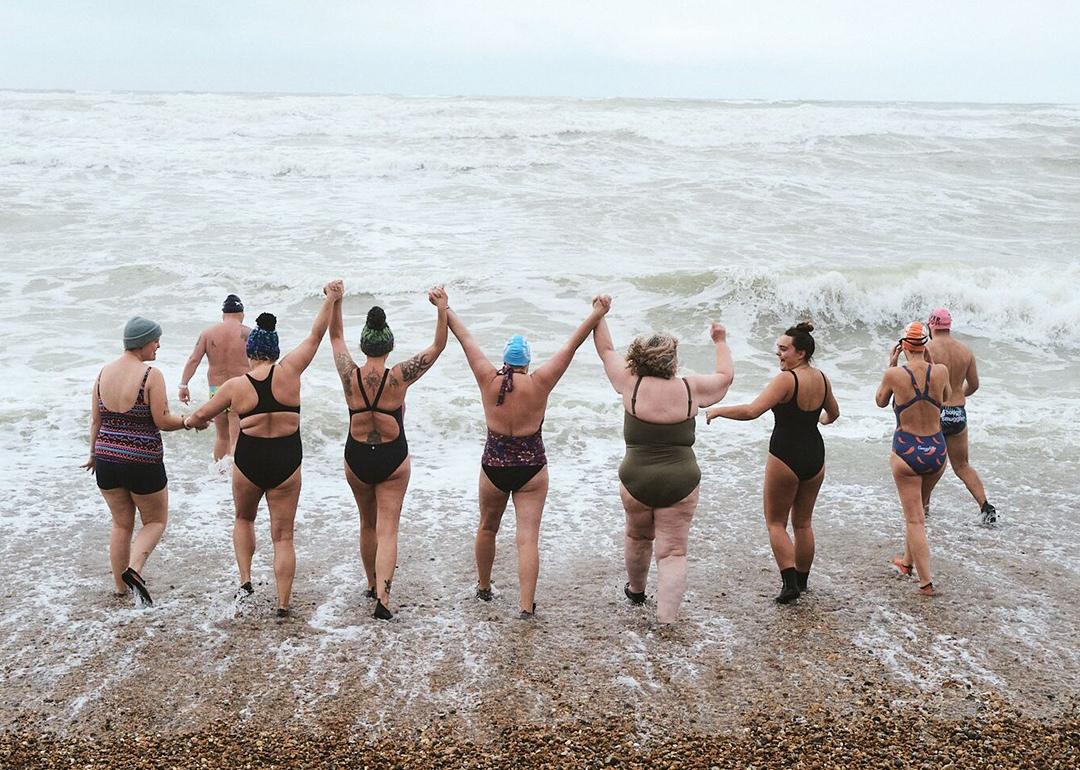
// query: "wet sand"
[[982, 675]]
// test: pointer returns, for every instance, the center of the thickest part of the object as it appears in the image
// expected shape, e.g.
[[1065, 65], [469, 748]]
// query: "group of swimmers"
[[255, 406]]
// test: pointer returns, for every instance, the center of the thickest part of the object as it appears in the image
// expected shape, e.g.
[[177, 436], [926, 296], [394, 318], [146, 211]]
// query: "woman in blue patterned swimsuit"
[[917, 390]]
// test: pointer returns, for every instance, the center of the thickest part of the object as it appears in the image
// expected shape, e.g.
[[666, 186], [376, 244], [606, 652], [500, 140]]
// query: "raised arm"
[[614, 364], [483, 370], [413, 369], [192, 364], [832, 409], [343, 360], [710, 388], [549, 374], [95, 425], [885, 389], [300, 357]]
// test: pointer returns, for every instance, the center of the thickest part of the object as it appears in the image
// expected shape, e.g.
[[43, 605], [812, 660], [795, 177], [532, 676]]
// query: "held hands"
[[334, 290], [190, 422], [601, 304], [718, 332], [184, 395], [711, 414], [438, 297]]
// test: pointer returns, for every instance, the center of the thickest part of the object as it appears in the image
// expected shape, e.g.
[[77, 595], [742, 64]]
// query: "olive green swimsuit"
[[659, 468]]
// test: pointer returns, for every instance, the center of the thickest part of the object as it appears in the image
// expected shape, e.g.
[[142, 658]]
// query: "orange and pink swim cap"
[[915, 337]]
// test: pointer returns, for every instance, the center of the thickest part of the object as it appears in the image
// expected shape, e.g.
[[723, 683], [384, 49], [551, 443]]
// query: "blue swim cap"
[[516, 352]]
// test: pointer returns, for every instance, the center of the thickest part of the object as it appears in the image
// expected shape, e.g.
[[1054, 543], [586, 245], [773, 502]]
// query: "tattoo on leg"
[[414, 367], [386, 585]]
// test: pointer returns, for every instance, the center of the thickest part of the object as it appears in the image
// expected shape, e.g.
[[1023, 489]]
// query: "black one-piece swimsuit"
[[268, 462], [375, 463], [796, 441]]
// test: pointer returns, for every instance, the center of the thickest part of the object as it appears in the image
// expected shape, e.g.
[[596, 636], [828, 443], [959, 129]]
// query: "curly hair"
[[653, 356]]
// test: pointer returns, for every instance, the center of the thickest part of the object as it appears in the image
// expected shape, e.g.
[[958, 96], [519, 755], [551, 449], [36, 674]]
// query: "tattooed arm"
[[408, 372], [346, 367]]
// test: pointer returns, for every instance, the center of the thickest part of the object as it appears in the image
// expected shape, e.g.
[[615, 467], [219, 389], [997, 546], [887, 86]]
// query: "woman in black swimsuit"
[[796, 464], [268, 449], [377, 464]]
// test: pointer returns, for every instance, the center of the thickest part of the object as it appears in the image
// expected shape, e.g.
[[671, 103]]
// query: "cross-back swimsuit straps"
[[268, 462], [659, 468], [510, 462], [923, 454], [796, 441], [128, 451], [374, 463]]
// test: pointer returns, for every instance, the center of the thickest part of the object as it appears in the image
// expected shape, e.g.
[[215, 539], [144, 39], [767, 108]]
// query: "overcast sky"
[[945, 50]]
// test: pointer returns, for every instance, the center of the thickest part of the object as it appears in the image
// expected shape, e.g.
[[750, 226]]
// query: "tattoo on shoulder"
[[414, 367], [345, 367]]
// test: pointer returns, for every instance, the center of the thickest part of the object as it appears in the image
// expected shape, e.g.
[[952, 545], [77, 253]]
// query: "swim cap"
[[940, 319], [517, 352], [232, 304], [376, 339], [262, 343], [140, 331], [915, 337]]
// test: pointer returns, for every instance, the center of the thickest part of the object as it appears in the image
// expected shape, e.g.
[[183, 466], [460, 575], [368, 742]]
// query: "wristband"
[[184, 423], [183, 384]]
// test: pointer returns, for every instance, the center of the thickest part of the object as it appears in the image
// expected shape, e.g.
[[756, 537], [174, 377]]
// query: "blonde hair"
[[653, 356]]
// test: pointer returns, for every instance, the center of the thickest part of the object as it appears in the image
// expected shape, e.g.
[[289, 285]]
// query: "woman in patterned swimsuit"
[[129, 408], [514, 462], [917, 390]]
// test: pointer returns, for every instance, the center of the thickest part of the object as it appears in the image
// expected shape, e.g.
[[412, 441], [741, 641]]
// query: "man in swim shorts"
[[224, 345], [963, 380]]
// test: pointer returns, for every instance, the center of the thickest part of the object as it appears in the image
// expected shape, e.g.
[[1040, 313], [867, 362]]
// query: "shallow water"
[[858, 216]]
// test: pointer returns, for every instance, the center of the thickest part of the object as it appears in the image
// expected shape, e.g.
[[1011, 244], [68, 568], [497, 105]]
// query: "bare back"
[[285, 387], [921, 418], [659, 400], [959, 359], [226, 351], [119, 382], [522, 410], [375, 427]]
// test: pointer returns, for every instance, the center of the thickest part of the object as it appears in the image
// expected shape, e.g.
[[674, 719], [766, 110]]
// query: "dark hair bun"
[[376, 318], [266, 321], [804, 326]]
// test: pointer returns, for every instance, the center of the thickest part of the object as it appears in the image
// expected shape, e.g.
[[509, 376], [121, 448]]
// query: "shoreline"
[[877, 733]]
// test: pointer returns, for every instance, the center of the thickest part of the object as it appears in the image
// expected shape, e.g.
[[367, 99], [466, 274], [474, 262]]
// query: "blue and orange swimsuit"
[[923, 454]]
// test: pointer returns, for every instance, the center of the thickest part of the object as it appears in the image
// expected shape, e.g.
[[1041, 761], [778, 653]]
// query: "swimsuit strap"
[[507, 373], [363, 395], [689, 399], [794, 396], [633, 398], [826, 381], [142, 388], [378, 393], [926, 390], [911, 374]]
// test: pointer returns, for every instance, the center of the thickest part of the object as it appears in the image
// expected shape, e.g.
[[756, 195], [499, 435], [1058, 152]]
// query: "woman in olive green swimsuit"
[[659, 473]]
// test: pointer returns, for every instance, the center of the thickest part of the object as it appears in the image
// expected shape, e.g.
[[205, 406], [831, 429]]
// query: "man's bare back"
[[961, 364], [226, 350]]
